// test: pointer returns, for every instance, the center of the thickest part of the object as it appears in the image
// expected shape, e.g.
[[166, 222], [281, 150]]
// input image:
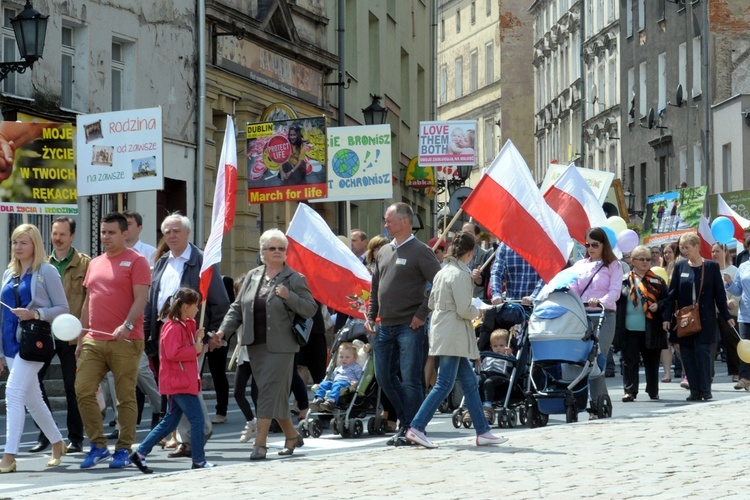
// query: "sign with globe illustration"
[[359, 163], [345, 163]]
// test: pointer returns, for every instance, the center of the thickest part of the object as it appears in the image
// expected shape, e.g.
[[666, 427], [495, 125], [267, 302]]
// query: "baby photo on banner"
[[286, 160]]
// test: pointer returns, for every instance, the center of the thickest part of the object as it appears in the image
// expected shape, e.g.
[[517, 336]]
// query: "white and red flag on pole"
[[508, 203], [225, 197], [706, 236], [573, 200], [740, 223], [337, 278]]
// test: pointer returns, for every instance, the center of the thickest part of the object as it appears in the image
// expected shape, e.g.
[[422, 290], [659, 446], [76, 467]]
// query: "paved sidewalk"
[[695, 451]]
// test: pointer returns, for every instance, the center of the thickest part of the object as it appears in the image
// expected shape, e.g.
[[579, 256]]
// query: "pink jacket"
[[178, 370], [606, 284]]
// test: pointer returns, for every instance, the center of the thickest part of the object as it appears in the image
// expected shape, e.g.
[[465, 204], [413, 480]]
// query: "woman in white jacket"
[[453, 340]]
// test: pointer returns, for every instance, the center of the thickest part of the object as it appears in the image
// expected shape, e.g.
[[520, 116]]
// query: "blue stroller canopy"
[[561, 316]]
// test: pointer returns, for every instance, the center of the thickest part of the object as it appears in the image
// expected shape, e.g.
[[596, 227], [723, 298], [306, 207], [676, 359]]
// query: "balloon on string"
[[722, 229], [660, 272], [743, 350], [627, 240], [617, 224], [611, 236], [66, 327]]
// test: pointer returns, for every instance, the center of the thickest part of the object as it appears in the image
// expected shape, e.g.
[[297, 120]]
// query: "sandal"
[[666, 380], [295, 442], [259, 452]]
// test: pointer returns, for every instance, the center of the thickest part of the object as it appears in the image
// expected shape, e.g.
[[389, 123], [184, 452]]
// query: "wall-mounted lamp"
[[30, 30]]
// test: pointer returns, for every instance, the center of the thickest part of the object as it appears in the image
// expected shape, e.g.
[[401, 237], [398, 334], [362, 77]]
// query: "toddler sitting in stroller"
[[346, 374], [494, 372]]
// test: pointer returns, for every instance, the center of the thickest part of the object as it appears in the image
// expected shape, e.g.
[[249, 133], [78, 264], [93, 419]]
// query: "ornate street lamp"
[[375, 113], [30, 29]]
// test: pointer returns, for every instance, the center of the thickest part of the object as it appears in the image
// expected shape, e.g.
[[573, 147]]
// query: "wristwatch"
[[129, 325], [36, 315]]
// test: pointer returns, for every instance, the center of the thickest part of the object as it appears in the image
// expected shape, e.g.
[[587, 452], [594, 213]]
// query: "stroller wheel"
[[512, 415], [522, 415], [371, 426], [317, 429], [571, 414], [604, 406], [456, 420], [303, 429], [355, 428]]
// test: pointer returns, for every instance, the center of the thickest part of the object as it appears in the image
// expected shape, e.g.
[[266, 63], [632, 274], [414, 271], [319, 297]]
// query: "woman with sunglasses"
[[639, 318], [598, 284], [697, 281], [264, 309]]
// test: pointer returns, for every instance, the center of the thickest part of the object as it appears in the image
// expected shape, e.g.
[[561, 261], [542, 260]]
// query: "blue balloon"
[[722, 229], [611, 236]]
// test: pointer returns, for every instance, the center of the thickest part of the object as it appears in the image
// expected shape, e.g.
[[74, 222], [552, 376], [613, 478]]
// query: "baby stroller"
[[512, 408], [355, 403], [564, 353]]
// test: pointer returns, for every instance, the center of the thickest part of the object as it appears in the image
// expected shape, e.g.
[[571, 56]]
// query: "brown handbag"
[[688, 317]]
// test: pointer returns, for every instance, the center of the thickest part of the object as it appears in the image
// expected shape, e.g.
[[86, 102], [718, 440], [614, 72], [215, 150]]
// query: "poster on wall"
[[37, 168], [120, 151], [447, 143], [359, 163], [286, 160], [672, 213]]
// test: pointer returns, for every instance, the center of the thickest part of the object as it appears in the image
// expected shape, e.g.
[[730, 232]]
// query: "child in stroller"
[[346, 374], [494, 373]]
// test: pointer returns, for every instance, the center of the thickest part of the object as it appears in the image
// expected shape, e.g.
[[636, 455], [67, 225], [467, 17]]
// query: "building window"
[[629, 18], [682, 66], [697, 164], [630, 95], [473, 12], [442, 30], [458, 20], [697, 64], [68, 51], [641, 15], [10, 49], [474, 70], [118, 76], [643, 90], [612, 80], [488, 7], [443, 84], [459, 77], [662, 68], [726, 164], [489, 140], [662, 9], [489, 64]]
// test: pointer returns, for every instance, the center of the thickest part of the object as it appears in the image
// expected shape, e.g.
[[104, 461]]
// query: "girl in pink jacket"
[[180, 346]]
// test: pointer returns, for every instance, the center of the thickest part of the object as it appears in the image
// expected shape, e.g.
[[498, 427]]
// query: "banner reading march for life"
[[447, 143], [359, 163]]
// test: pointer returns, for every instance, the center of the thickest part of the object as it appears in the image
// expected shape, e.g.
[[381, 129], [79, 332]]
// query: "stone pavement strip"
[[693, 451]]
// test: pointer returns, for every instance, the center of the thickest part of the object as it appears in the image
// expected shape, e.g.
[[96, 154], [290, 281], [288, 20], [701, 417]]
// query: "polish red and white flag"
[[740, 223], [573, 200], [706, 236], [336, 277], [509, 204], [225, 197]]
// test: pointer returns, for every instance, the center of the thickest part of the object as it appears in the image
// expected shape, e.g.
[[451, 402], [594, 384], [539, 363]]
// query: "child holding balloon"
[[180, 345]]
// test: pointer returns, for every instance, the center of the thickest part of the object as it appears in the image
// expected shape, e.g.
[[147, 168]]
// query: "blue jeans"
[[334, 388], [401, 349], [696, 359], [178, 404], [453, 368]]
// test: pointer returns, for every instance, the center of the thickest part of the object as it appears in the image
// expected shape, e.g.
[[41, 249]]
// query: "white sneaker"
[[416, 436], [488, 439], [251, 429]]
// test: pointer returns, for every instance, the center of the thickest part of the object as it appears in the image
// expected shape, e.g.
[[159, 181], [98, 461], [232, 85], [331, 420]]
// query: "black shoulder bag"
[[37, 341]]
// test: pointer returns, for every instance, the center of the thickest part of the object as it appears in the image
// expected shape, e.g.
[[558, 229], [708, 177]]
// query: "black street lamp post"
[[30, 29], [375, 113]]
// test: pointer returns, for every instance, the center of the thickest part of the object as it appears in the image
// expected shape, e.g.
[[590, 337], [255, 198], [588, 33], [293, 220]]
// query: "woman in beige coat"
[[452, 339]]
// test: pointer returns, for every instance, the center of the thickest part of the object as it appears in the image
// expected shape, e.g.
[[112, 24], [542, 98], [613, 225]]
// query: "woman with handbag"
[[598, 284], [696, 291], [264, 310], [36, 290], [639, 318]]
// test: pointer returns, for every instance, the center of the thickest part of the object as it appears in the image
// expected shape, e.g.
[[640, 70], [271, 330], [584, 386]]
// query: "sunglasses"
[[642, 259], [274, 249], [593, 245]]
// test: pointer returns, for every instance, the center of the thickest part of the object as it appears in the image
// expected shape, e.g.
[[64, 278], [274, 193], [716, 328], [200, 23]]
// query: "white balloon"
[[66, 327]]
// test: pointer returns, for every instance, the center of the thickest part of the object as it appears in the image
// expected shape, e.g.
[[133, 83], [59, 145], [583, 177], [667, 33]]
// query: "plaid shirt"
[[520, 279]]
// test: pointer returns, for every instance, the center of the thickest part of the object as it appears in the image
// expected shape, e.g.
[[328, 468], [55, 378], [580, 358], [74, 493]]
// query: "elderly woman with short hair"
[[696, 279], [639, 318], [264, 309]]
